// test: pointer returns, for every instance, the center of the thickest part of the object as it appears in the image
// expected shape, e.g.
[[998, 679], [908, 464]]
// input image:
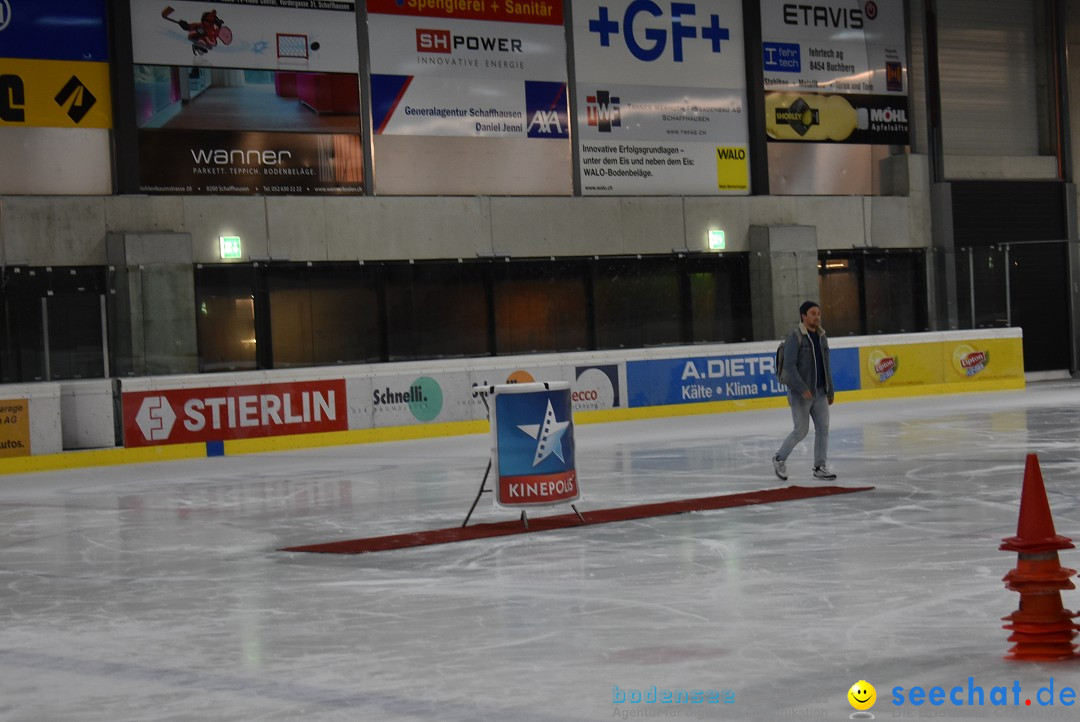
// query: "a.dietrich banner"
[[469, 97], [694, 380], [661, 95], [223, 162], [835, 71], [176, 416]]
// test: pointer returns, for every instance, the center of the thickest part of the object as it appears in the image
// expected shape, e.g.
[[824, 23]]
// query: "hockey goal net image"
[[292, 48]]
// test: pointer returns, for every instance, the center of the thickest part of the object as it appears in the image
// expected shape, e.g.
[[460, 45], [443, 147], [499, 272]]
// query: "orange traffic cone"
[[1043, 629]]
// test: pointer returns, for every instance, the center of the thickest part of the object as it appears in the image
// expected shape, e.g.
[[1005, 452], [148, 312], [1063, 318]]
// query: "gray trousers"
[[802, 410]]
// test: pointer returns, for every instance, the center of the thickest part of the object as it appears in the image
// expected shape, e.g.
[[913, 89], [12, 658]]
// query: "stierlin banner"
[[222, 413], [532, 431]]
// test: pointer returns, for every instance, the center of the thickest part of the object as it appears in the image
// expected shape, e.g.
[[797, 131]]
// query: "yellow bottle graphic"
[[812, 117]]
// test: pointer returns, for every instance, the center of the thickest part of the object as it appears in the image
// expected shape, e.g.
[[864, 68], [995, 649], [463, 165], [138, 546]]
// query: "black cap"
[[807, 305]]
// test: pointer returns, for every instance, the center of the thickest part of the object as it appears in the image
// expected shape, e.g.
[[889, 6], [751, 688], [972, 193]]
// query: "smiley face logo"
[[862, 695]]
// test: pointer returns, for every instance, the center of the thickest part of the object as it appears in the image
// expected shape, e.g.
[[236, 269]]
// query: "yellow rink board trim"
[[175, 452]]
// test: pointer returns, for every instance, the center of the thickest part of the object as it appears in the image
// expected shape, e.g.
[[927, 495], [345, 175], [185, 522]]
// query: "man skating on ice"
[[809, 381]]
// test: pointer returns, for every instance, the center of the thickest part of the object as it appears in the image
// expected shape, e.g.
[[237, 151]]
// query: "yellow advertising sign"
[[992, 358], [14, 428], [900, 365], [54, 94], [732, 172]]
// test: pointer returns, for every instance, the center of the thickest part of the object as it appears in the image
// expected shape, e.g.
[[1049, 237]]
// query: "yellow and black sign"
[[54, 94], [14, 428], [732, 168]]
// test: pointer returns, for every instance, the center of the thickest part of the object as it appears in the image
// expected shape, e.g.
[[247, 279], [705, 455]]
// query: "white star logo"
[[548, 436]]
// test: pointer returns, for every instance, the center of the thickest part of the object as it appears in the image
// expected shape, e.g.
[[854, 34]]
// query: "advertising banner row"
[[237, 96], [159, 411]]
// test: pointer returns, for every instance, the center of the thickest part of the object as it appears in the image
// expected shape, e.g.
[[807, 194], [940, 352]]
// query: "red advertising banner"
[[547, 12], [178, 416]]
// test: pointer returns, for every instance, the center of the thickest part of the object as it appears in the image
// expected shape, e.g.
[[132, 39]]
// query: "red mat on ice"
[[565, 521]]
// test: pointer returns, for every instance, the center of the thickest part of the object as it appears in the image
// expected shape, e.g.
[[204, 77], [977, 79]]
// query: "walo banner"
[[532, 430], [835, 71], [661, 97]]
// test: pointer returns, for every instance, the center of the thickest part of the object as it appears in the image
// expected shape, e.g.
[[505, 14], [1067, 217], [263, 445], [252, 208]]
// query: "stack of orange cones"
[[1043, 630]]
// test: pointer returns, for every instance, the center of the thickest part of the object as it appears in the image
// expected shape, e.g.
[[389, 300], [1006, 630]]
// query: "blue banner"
[[534, 445], [54, 30], [535, 433], [692, 380]]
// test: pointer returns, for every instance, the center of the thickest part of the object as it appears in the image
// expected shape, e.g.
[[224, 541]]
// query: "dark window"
[[225, 317], [895, 293], [841, 295], [52, 326], [637, 302], [980, 279], [719, 299], [324, 315], [540, 306], [436, 310], [873, 292]]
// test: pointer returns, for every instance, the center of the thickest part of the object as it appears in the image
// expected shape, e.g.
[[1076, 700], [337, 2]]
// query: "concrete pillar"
[[152, 303], [941, 264], [783, 274]]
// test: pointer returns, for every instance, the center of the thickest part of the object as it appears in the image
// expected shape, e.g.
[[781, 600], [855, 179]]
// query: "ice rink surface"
[[155, 592]]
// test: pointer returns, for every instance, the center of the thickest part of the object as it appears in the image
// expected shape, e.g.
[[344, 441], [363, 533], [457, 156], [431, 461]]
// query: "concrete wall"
[[72, 230]]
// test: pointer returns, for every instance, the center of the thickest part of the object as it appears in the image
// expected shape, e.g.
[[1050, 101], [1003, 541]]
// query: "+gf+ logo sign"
[[656, 39]]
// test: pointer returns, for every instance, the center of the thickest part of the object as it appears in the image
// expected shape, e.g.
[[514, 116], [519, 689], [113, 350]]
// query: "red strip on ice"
[[564, 521]]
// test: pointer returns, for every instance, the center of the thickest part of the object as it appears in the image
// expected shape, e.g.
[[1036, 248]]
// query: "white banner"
[[839, 46], [301, 36], [661, 97]]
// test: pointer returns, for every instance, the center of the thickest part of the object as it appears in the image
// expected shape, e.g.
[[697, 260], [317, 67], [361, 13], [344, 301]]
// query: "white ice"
[[155, 592]]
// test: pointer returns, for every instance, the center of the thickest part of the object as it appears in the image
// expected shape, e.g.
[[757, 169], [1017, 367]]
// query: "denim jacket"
[[800, 364]]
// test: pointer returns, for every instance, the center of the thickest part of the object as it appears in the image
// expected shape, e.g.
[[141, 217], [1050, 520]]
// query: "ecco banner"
[[835, 71], [177, 416], [532, 430], [661, 94]]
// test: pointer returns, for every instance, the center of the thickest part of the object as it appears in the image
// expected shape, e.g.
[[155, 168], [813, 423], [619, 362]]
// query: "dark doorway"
[[1013, 236]]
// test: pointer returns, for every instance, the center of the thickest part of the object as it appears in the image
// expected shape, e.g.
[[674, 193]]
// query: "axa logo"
[[650, 43], [155, 418], [602, 111], [545, 103], [545, 122]]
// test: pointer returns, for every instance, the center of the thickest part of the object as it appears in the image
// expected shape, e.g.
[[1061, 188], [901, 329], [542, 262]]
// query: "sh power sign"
[[178, 416]]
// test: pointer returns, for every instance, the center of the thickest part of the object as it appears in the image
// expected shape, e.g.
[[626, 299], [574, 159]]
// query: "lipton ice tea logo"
[[882, 367], [968, 362]]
